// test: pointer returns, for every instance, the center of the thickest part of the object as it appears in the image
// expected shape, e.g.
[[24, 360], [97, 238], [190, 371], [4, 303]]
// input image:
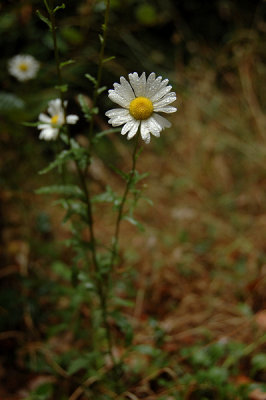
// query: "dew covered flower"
[[140, 100], [50, 124], [23, 67]]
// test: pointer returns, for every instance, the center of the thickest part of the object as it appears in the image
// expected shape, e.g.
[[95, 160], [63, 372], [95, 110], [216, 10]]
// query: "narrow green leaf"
[[108, 59], [59, 8], [101, 89], [33, 124], [64, 63], [124, 326], [91, 78], [62, 157], [118, 301], [71, 191], [74, 144], [47, 6], [63, 136], [62, 88], [259, 362], [44, 391], [138, 177], [61, 270], [134, 222], [99, 135], [107, 197], [101, 39], [121, 173], [78, 364], [44, 19], [147, 349], [10, 102], [75, 208], [78, 244], [149, 201], [94, 110], [84, 106]]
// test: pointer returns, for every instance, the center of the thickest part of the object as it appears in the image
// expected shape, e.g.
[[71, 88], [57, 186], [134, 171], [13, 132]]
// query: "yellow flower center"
[[54, 119], [141, 108], [23, 67]]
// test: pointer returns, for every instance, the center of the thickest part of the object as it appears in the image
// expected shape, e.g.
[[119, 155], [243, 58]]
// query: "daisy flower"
[[50, 124], [141, 100], [23, 67]]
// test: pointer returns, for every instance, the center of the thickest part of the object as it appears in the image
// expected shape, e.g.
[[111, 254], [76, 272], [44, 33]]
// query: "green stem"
[[100, 289], [97, 278], [114, 249], [122, 204], [100, 69], [89, 216], [56, 53]]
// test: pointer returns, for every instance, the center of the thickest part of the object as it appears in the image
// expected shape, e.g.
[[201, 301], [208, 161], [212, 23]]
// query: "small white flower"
[[141, 100], [23, 67], [50, 124]]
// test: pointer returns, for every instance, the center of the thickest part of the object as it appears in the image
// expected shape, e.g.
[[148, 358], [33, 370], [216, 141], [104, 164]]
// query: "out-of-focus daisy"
[[141, 100], [50, 124], [23, 67]]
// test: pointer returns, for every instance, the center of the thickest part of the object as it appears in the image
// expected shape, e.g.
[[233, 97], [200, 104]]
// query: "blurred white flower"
[[23, 67], [50, 124], [141, 100]]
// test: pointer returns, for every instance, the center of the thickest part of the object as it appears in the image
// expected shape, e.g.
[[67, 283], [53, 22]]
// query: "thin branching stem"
[[97, 278], [100, 69], [56, 53], [114, 249], [90, 221], [82, 173]]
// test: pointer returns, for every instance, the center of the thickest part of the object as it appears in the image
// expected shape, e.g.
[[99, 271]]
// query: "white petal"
[[138, 83], [154, 127], [133, 130], [153, 86], [116, 98], [118, 116], [44, 118], [54, 103], [150, 79], [124, 89], [144, 131], [72, 119], [163, 84], [163, 122], [116, 112], [148, 139], [61, 118], [155, 133], [44, 126], [128, 126], [162, 92], [133, 79], [167, 109], [167, 99], [55, 107], [49, 134], [116, 121]]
